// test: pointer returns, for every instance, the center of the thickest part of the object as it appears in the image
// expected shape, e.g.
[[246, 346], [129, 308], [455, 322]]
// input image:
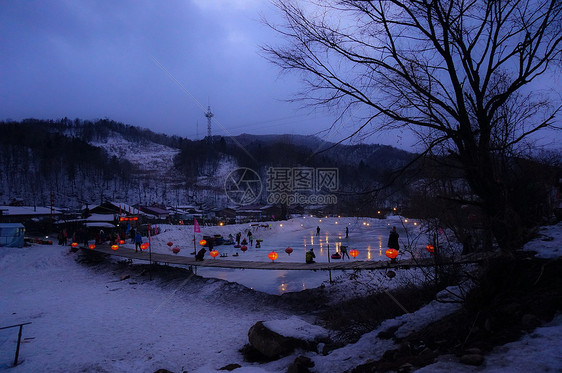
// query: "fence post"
[[18, 346], [19, 338]]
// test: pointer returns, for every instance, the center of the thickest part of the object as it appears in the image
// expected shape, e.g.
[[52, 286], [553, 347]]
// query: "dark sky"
[[154, 64], [126, 60]]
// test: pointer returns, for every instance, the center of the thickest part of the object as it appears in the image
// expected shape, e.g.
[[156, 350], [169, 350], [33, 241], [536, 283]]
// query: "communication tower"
[[209, 115]]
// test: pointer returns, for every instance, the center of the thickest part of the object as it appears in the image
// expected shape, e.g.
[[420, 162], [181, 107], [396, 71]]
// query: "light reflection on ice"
[[365, 235]]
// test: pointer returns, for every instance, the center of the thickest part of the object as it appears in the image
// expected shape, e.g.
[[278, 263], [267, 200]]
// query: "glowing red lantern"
[[289, 250], [135, 218], [114, 247], [353, 253], [74, 244], [391, 253], [214, 253], [430, 248], [176, 250], [92, 246], [244, 248], [144, 246], [273, 255], [121, 242], [170, 243], [122, 218], [202, 242]]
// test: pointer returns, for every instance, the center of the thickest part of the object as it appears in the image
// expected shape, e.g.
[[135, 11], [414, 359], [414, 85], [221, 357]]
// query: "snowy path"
[[84, 320]]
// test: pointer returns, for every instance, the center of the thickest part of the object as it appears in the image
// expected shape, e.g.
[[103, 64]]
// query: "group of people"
[[83, 236], [239, 237], [392, 244]]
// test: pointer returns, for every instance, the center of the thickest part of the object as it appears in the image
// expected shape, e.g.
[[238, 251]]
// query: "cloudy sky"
[[153, 64]]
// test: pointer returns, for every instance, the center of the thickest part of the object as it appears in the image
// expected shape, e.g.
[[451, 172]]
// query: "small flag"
[[196, 227]]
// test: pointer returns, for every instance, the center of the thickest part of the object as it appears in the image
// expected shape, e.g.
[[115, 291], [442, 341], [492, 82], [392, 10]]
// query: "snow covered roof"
[[101, 217], [28, 210], [125, 208], [11, 225], [155, 210], [99, 225]]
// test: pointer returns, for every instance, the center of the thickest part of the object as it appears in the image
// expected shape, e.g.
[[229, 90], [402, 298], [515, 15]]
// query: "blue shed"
[[12, 234]]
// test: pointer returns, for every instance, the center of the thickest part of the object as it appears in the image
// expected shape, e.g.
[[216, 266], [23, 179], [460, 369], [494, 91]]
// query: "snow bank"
[[297, 328], [548, 243]]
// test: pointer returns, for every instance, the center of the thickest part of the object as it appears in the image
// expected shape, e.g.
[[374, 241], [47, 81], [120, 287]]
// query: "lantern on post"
[[353, 253], [144, 246], [92, 246], [289, 250], [430, 248], [392, 254], [114, 247], [214, 253], [203, 242], [273, 255]]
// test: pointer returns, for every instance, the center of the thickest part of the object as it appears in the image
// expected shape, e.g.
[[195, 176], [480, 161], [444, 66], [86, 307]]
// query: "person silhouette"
[[393, 239]]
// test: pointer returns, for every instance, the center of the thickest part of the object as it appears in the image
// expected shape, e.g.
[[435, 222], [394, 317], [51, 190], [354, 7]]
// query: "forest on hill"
[[81, 161]]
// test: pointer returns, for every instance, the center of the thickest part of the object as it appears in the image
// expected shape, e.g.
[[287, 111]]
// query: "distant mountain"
[[306, 141], [315, 147], [79, 162]]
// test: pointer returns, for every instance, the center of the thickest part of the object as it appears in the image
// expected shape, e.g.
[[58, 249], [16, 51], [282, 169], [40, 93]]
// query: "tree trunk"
[[487, 180]]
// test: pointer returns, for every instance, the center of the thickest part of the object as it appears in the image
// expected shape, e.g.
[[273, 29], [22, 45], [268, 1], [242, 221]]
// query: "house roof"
[[28, 210], [11, 225], [125, 208], [100, 217], [99, 225], [155, 210]]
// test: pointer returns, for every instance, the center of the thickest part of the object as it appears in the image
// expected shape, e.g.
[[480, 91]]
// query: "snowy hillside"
[[153, 159]]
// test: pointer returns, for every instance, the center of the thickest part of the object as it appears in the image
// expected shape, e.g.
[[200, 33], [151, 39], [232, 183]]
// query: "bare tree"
[[453, 72]]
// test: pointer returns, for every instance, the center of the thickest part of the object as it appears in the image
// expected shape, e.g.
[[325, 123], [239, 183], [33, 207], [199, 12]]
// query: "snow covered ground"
[[86, 319]]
